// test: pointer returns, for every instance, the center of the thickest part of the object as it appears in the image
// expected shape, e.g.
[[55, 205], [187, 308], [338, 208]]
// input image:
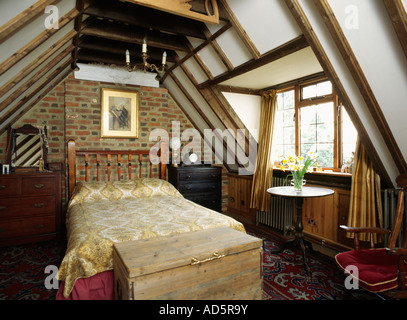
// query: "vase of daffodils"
[[298, 167]]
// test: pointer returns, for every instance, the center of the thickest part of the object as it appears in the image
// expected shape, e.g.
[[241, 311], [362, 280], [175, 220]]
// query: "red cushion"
[[377, 269]]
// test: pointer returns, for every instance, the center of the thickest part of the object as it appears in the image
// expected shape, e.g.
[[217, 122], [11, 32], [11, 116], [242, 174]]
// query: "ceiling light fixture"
[[145, 66]]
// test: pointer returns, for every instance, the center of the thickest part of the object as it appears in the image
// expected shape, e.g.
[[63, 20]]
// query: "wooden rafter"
[[22, 102], [145, 18], [60, 77], [30, 82], [198, 48], [275, 54], [37, 62], [312, 39], [199, 110], [24, 18], [240, 31], [37, 41], [119, 32], [361, 81], [398, 16], [182, 8]]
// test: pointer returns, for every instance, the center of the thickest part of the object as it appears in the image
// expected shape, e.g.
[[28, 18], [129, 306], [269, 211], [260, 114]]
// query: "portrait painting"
[[119, 118]]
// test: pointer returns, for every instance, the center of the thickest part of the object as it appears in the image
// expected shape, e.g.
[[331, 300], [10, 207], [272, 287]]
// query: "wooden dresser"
[[200, 184], [30, 207]]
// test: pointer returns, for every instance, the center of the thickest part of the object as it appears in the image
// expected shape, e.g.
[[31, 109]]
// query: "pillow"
[[115, 190]]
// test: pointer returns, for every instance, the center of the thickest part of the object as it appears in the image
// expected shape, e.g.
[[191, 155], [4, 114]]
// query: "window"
[[309, 118]]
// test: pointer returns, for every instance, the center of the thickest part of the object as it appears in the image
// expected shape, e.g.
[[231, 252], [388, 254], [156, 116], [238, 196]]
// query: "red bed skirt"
[[97, 287]]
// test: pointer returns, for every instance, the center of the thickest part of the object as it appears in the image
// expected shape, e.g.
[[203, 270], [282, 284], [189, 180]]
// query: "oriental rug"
[[23, 275]]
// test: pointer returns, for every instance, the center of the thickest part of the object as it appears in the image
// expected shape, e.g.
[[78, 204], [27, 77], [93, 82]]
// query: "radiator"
[[281, 212], [389, 208]]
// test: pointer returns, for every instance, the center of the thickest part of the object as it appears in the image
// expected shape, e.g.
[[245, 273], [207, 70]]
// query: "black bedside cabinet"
[[200, 184]]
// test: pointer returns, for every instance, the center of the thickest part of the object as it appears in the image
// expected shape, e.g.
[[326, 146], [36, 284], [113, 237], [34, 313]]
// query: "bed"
[[112, 204]]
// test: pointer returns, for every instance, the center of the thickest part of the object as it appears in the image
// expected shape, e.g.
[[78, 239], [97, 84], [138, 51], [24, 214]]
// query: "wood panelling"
[[239, 195]]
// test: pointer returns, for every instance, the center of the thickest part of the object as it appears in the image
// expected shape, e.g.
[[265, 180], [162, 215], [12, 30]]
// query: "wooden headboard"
[[108, 161]]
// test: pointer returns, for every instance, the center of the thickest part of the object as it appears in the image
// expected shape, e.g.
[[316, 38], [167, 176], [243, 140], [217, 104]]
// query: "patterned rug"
[[23, 275]]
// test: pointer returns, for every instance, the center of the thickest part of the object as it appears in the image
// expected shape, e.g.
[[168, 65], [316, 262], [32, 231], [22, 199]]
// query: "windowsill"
[[325, 178]]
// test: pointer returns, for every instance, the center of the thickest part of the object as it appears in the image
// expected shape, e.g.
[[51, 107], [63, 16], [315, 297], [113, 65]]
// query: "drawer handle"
[[39, 226], [2, 187], [39, 205], [214, 256], [39, 186], [2, 208], [187, 177]]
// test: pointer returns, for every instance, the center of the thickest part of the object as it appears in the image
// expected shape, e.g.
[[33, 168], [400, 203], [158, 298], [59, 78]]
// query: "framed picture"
[[119, 118]]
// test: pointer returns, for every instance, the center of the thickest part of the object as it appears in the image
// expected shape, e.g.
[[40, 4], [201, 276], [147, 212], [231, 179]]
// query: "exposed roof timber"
[[323, 59], [218, 109], [398, 17], [80, 6], [116, 31], [36, 62], [43, 36], [145, 18], [23, 101], [183, 8], [119, 48], [198, 48], [361, 81], [214, 150], [222, 56], [240, 31], [51, 86], [24, 18], [30, 82], [233, 89], [200, 111], [277, 53]]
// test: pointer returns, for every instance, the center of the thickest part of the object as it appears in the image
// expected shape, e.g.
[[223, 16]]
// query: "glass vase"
[[298, 183]]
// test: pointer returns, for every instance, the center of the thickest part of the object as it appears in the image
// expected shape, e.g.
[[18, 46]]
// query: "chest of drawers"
[[200, 184], [30, 207]]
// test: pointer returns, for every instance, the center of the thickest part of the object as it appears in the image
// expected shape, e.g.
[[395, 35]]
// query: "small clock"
[[190, 159]]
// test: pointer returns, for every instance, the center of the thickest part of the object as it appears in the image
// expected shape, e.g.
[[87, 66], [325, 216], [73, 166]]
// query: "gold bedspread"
[[103, 213]]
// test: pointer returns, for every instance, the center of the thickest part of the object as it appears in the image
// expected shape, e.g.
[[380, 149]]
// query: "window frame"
[[337, 113]]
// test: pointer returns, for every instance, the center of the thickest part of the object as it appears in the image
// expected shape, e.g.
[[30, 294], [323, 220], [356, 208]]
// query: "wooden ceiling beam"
[[23, 101], [360, 79], [398, 16], [37, 41], [30, 82], [273, 55], [119, 48], [36, 62], [53, 84], [120, 32], [24, 18], [145, 18], [198, 48], [240, 31], [309, 33]]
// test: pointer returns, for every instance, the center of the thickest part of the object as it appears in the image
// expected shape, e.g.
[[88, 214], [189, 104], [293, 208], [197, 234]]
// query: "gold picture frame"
[[119, 117]]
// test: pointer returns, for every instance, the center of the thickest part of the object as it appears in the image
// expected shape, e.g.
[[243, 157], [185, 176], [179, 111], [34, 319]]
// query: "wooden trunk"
[[219, 263]]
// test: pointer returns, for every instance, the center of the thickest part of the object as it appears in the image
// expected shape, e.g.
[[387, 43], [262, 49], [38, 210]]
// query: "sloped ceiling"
[[360, 45]]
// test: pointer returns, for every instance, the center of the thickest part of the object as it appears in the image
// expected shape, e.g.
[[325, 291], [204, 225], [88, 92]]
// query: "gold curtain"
[[263, 174], [365, 193]]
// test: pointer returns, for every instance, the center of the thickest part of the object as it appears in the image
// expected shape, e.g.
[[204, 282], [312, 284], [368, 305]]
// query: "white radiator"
[[281, 212]]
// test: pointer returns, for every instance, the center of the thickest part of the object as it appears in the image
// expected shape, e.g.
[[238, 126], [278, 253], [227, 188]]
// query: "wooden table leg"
[[299, 236]]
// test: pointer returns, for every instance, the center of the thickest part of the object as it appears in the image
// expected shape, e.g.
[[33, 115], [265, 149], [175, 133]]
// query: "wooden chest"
[[219, 263]]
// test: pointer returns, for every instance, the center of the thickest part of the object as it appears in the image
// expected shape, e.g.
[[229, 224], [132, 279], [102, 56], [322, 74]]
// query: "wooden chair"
[[381, 270]]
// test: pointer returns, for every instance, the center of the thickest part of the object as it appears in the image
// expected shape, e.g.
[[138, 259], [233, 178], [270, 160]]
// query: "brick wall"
[[72, 110]]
